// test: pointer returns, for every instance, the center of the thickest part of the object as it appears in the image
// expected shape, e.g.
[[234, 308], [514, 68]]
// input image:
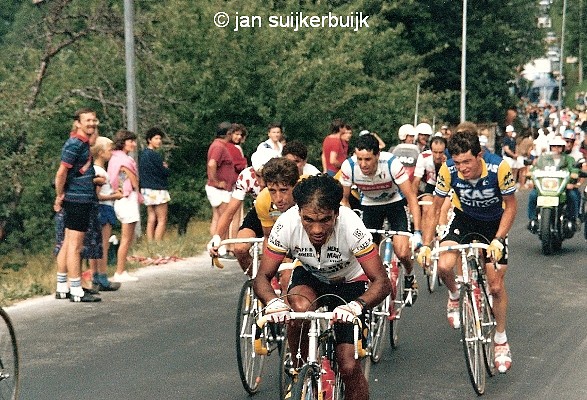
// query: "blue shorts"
[[106, 215]]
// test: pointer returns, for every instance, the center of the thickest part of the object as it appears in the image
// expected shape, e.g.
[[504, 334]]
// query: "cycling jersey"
[[266, 210], [246, 183], [425, 167], [381, 188], [338, 259], [408, 155], [480, 199]]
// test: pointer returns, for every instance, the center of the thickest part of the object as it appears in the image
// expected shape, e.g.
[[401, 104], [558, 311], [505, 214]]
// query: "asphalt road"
[[171, 336]]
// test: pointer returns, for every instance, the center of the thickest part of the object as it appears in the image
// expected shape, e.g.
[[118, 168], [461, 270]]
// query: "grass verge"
[[25, 276]]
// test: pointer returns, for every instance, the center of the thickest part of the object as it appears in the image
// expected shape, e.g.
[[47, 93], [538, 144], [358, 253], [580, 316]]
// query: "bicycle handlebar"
[[390, 233], [241, 240], [465, 246]]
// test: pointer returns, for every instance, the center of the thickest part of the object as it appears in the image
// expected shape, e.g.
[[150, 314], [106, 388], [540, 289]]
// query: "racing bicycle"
[[252, 344], [476, 313], [391, 308]]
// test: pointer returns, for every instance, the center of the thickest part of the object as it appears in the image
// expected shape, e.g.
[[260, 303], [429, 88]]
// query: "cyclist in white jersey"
[[385, 190], [336, 255]]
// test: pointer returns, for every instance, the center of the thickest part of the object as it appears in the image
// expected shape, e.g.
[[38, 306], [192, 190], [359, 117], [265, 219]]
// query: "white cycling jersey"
[[337, 260], [382, 187], [425, 167]]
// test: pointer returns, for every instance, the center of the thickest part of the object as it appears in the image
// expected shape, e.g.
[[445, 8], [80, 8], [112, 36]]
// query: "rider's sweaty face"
[[281, 195], [318, 223], [367, 161], [468, 165]]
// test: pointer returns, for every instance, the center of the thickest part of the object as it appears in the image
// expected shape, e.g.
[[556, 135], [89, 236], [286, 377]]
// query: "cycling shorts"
[[252, 222], [463, 229], [396, 214], [348, 291]]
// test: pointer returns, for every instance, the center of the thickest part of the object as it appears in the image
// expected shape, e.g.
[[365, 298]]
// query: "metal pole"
[[464, 62], [129, 47], [562, 58], [417, 104]]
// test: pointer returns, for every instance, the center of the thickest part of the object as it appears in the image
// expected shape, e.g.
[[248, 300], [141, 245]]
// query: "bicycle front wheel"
[[432, 276], [286, 369], [395, 309], [472, 346], [250, 364], [488, 331], [379, 329], [306, 387], [9, 377]]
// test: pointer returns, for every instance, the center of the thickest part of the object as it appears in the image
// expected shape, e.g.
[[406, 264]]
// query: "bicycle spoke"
[[472, 345]]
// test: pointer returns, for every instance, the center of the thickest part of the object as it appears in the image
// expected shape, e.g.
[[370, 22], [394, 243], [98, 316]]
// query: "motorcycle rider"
[[562, 161]]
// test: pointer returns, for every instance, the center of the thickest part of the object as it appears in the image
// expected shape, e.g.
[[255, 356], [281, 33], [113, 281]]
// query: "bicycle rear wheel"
[[432, 276], [472, 346], [9, 374], [488, 331], [379, 329], [250, 364], [306, 387], [398, 286]]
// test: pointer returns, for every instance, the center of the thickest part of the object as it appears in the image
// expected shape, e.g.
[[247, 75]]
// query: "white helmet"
[[424, 129], [405, 130], [557, 141]]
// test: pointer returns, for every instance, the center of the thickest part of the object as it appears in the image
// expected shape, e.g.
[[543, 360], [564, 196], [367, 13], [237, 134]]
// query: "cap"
[[444, 127], [569, 134], [509, 128], [260, 157], [438, 134], [483, 140], [364, 132]]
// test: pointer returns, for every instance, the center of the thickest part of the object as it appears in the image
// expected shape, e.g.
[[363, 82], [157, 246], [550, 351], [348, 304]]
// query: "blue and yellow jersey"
[[480, 199]]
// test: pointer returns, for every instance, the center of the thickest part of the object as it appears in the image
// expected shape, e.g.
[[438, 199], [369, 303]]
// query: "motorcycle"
[[552, 225]]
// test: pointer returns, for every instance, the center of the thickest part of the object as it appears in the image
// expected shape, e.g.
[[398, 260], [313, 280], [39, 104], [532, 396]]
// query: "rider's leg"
[[351, 373], [241, 250], [300, 298], [532, 199]]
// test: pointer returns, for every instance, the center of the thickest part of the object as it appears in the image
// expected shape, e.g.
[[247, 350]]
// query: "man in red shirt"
[[221, 173]]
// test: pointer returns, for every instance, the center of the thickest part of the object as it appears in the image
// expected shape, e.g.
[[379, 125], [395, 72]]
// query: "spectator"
[[123, 175], [237, 134], [153, 173], [275, 141], [75, 194], [298, 153], [101, 153], [221, 174], [509, 151], [335, 147]]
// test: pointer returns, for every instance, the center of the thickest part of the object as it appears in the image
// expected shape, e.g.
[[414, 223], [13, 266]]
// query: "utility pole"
[[464, 63], [562, 58], [129, 47]]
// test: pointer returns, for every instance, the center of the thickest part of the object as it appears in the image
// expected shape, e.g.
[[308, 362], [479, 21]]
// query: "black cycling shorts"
[[252, 222], [77, 215], [396, 213], [464, 228], [348, 291]]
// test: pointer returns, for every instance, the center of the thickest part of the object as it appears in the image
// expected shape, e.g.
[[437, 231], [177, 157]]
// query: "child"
[[101, 153]]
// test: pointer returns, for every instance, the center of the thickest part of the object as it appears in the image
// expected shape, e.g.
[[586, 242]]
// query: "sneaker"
[[452, 313], [503, 357], [61, 295], [110, 287], [124, 277], [86, 298], [533, 225], [410, 290]]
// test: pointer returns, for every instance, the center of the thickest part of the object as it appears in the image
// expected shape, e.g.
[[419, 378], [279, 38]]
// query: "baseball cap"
[[483, 140], [364, 132], [260, 157], [444, 127], [509, 128]]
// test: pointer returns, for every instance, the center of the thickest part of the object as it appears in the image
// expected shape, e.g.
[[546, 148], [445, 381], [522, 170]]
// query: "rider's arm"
[[410, 195], [416, 184], [267, 270], [380, 285], [509, 214]]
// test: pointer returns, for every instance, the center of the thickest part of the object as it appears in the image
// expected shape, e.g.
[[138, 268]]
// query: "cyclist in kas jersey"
[[335, 255], [485, 204]]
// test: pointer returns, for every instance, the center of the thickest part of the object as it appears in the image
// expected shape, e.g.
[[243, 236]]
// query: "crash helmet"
[[405, 130]]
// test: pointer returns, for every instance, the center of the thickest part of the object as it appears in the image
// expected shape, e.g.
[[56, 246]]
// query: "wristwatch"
[[362, 302]]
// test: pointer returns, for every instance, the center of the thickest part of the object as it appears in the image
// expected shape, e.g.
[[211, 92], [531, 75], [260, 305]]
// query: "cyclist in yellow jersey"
[[485, 205]]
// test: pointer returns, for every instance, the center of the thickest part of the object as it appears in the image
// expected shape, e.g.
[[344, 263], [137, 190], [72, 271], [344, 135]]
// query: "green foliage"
[[191, 75]]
